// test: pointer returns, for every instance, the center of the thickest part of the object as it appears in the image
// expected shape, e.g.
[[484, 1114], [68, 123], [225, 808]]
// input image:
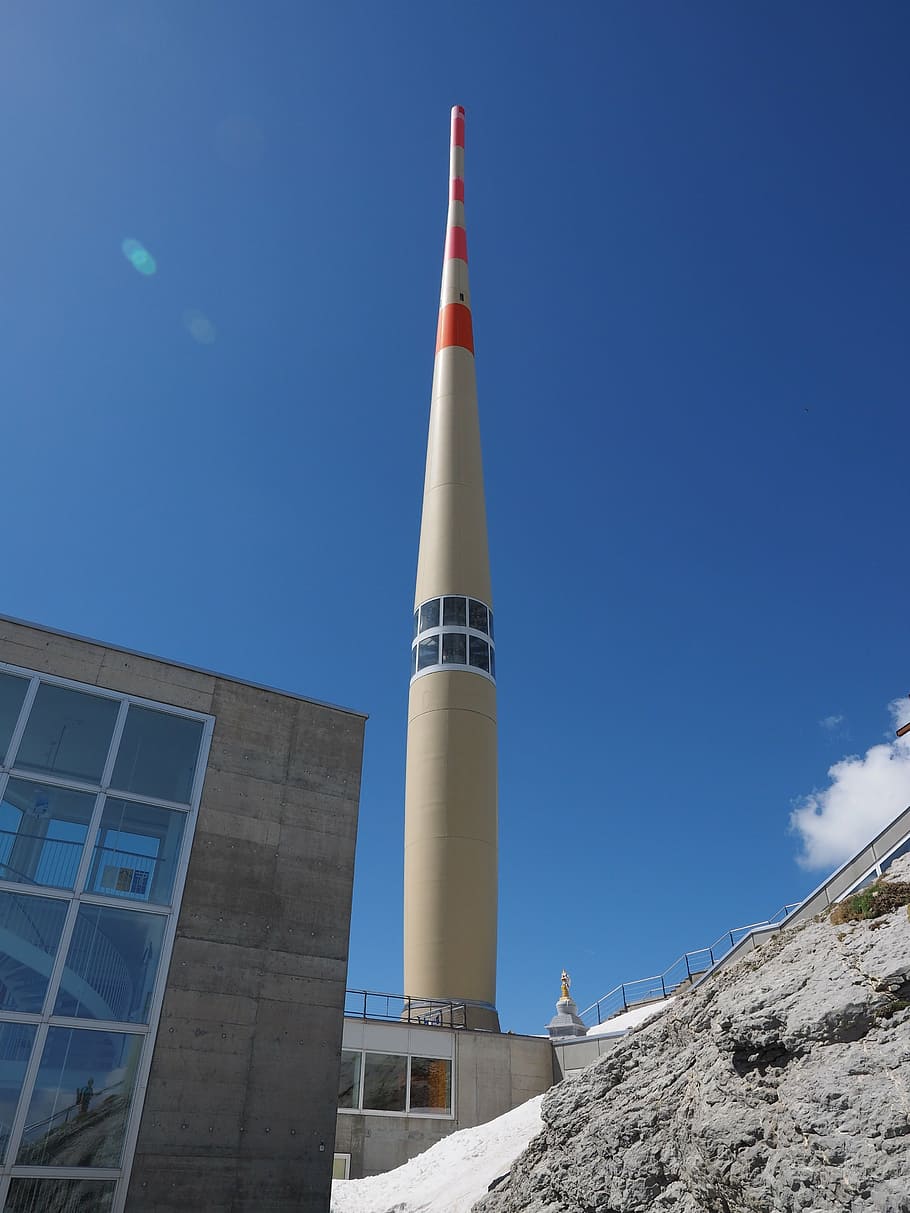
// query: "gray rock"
[[780, 1085]]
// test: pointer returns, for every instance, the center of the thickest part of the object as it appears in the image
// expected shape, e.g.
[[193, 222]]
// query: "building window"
[[385, 1082], [430, 1089], [341, 1166], [395, 1083], [349, 1079], [98, 799], [453, 633]]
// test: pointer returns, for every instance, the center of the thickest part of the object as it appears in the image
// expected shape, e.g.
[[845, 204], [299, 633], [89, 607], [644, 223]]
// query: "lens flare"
[[139, 257], [199, 327]]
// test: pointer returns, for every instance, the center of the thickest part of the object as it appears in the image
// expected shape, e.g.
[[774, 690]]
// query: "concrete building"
[[450, 859], [176, 865], [405, 1086]]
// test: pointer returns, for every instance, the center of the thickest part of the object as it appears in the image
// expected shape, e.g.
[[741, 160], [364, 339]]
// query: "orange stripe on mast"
[[455, 327]]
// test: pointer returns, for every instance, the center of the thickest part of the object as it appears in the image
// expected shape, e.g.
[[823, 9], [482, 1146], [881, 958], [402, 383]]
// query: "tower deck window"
[[454, 613], [428, 652], [454, 648], [478, 617], [429, 615], [480, 653]]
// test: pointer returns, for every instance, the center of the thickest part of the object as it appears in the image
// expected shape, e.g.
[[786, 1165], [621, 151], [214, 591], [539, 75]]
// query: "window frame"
[[80, 894], [360, 1110]]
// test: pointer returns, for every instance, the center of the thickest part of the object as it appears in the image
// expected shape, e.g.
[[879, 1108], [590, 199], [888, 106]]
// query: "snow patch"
[[620, 1024], [451, 1176]]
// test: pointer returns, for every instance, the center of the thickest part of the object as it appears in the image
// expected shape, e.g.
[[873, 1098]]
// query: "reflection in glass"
[[453, 612], [414, 660], [428, 652], [492, 661], [490, 619], [349, 1079], [385, 1082], [477, 616], [157, 755], [60, 1196], [454, 648], [81, 1098], [136, 852], [12, 693], [68, 733], [480, 653], [16, 1041], [42, 829], [29, 933], [431, 1085], [429, 615], [416, 624], [111, 965]]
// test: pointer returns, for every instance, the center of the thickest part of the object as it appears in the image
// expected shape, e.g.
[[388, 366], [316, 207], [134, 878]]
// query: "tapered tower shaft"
[[450, 897]]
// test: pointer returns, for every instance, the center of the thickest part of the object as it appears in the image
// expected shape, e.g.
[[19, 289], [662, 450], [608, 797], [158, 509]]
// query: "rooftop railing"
[[428, 1012], [682, 972]]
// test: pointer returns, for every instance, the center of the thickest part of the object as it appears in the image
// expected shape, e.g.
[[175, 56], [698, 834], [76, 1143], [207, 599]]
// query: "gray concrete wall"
[[493, 1073], [239, 1113]]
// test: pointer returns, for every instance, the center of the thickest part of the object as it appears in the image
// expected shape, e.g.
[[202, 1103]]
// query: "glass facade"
[[453, 633], [98, 796], [395, 1083]]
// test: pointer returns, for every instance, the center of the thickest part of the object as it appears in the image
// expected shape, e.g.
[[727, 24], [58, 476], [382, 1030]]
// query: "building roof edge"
[[197, 669]]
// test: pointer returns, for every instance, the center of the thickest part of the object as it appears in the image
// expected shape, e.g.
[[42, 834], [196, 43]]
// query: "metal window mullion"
[[143, 1069], [25, 1094], [11, 749], [155, 802], [407, 1101], [63, 947], [52, 780]]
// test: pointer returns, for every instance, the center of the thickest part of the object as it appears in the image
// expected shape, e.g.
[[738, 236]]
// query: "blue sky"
[[689, 261]]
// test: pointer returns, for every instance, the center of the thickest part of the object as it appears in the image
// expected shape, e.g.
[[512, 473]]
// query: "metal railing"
[[429, 1012], [682, 972], [114, 872]]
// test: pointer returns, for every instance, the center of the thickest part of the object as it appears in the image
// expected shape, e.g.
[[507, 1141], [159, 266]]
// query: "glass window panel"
[[157, 755], [111, 965], [454, 648], [68, 733], [349, 1079], [429, 615], [341, 1166], [79, 1105], [60, 1196], [416, 624], [428, 652], [136, 852], [29, 933], [42, 830], [414, 660], [490, 619], [480, 653], [385, 1082], [492, 661], [477, 616], [454, 612], [431, 1085], [12, 693], [16, 1040]]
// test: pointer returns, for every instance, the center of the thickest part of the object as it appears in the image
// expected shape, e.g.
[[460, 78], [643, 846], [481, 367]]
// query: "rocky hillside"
[[782, 1084]]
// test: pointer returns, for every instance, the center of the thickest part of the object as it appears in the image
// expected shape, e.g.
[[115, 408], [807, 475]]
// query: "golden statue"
[[566, 981]]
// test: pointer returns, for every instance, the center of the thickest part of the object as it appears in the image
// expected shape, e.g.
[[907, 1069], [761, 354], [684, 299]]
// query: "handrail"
[[403, 1008], [681, 972]]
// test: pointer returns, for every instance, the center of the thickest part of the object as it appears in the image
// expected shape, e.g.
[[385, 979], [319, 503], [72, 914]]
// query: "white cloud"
[[865, 793], [830, 723]]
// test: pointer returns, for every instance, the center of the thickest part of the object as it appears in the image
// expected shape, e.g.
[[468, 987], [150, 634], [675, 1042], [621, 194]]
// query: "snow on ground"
[[449, 1177], [620, 1024]]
